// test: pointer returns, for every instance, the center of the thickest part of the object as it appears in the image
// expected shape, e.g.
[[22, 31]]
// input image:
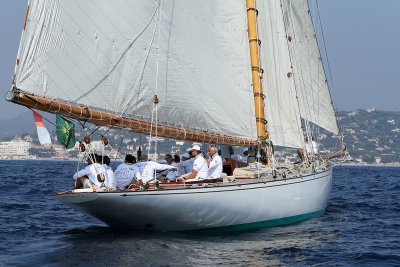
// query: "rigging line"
[[109, 128], [309, 55], [295, 82], [158, 46], [314, 105], [156, 88], [327, 58], [117, 155], [150, 134], [303, 96], [155, 148], [300, 93], [98, 126], [82, 124], [140, 77], [121, 57], [23, 36], [59, 108], [259, 104], [44, 118], [154, 110], [310, 41], [120, 143], [92, 157], [80, 162], [278, 52], [317, 105]]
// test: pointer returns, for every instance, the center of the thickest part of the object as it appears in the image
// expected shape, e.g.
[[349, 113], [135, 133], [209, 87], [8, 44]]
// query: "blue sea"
[[361, 227]]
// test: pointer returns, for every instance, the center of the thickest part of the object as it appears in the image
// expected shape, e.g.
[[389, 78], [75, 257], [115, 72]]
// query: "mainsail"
[[81, 58], [104, 54]]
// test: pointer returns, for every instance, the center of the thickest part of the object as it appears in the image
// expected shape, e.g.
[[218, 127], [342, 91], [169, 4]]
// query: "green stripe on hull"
[[258, 225]]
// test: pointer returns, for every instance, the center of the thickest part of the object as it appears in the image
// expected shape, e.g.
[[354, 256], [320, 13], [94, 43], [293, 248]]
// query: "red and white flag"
[[43, 134]]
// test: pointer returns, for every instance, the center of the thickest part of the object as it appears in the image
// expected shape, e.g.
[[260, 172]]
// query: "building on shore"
[[15, 149]]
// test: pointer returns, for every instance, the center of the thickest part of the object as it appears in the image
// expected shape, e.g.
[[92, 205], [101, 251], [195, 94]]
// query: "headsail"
[[103, 54], [308, 72], [282, 110], [294, 75]]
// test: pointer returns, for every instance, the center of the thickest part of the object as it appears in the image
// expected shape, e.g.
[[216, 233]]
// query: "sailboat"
[[242, 73]]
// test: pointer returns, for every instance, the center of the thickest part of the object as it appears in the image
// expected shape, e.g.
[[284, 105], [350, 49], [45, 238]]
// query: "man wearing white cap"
[[186, 166], [200, 167]]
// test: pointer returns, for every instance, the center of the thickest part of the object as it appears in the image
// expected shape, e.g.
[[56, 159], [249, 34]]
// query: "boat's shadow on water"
[[110, 246]]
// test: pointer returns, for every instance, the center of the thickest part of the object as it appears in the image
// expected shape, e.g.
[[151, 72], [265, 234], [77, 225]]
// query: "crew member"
[[89, 176], [127, 172], [214, 164], [200, 167]]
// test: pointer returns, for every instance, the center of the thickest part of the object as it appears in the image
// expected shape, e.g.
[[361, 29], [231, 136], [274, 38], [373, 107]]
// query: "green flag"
[[65, 132]]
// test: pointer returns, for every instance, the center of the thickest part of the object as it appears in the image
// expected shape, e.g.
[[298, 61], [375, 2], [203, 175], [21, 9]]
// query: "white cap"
[[245, 149], [195, 147], [186, 155]]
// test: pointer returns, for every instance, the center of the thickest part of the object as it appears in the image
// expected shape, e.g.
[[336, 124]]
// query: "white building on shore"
[[16, 148]]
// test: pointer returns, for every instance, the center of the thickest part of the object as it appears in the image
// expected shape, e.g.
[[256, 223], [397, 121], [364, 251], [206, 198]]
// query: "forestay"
[[103, 54]]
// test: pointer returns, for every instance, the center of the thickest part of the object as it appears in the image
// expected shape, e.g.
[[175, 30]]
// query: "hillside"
[[371, 134], [367, 135]]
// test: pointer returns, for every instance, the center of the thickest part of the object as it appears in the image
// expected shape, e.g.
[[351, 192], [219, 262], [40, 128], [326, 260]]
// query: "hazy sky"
[[362, 38]]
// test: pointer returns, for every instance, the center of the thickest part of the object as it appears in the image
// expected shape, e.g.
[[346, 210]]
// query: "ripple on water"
[[360, 227]]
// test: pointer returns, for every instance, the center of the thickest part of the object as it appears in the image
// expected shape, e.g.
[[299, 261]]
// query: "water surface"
[[361, 227]]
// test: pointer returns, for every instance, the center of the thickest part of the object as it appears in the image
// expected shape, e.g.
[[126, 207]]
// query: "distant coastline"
[[352, 164], [369, 135], [40, 159], [347, 164]]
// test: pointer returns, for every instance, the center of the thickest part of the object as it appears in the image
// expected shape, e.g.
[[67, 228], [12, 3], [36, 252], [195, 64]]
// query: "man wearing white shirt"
[[200, 167], [149, 168], [110, 181], [312, 147], [127, 173], [215, 163], [245, 154], [172, 175], [89, 176], [186, 165]]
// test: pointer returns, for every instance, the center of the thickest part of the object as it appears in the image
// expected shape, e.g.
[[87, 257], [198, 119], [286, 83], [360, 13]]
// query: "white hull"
[[235, 206]]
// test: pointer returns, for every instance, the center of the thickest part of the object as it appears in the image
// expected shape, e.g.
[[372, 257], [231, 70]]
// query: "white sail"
[[281, 107], [103, 54], [312, 88]]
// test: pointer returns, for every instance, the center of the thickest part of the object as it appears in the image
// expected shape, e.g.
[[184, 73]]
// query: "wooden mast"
[[136, 125], [256, 71]]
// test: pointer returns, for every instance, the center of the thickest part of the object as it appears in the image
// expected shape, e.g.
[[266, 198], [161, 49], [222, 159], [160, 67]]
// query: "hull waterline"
[[231, 207]]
